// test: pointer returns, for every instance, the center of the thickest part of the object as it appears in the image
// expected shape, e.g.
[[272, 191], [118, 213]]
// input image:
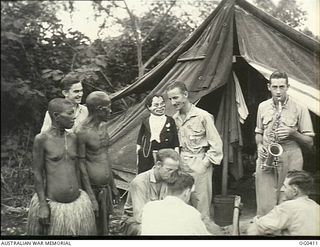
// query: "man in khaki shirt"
[[200, 144], [292, 129], [149, 186], [297, 216]]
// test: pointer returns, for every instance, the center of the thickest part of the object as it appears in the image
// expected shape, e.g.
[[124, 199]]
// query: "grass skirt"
[[74, 218]]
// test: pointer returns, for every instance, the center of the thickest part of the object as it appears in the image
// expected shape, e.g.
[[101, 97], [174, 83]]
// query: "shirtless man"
[[59, 206], [93, 141]]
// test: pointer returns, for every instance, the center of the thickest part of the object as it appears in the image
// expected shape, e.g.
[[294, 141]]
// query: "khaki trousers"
[[270, 181], [202, 174]]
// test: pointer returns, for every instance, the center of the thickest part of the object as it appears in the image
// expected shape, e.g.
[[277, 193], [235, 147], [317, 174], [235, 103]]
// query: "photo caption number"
[[308, 242]]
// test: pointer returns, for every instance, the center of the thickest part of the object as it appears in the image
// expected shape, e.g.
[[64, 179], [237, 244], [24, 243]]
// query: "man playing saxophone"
[[282, 127]]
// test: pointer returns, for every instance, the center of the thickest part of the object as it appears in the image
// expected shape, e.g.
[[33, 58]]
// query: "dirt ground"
[[13, 220]]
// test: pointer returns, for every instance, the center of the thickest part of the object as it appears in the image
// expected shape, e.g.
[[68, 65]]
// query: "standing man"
[[59, 206], [200, 144], [72, 90], [297, 215], [149, 186], [283, 121], [93, 143], [173, 215]]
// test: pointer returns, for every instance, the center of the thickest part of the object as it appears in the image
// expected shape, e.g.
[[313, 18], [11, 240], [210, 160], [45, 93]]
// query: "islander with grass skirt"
[[59, 206]]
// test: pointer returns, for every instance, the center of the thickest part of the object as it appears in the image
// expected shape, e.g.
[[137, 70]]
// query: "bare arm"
[[39, 173], [115, 192], [286, 132], [81, 145], [261, 149]]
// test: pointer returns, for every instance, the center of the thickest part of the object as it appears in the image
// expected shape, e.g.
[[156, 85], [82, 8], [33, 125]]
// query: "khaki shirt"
[[296, 217], [143, 188], [293, 115], [197, 133]]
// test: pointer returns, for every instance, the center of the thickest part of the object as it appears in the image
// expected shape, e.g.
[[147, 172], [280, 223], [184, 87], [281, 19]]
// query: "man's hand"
[[206, 161], [95, 207], [115, 195], [44, 214], [284, 132], [262, 152]]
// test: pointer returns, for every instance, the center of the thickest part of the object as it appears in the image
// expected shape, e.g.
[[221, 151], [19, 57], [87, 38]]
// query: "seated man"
[[93, 143], [149, 186], [172, 215], [59, 206], [296, 216]]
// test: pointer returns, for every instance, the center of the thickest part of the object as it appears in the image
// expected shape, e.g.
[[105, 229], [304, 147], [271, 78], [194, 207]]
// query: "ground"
[[13, 220]]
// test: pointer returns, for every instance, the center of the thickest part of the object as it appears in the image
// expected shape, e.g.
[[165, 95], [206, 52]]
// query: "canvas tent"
[[225, 63]]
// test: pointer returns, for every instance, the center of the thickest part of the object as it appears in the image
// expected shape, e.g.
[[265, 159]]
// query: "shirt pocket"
[[290, 121], [267, 119], [196, 133]]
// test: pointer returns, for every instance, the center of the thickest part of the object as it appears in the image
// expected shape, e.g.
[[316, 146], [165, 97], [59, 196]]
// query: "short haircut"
[[95, 99], [181, 182], [164, 153], [302, 179], [149, 99], [177, 84], [279, 75], [58, 105], [70, 79]]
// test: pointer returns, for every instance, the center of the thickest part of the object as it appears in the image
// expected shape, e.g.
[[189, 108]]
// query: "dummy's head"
[[99, 104], [297, 183], [167, 164], [155, 104], [182, 187], [61, 112]]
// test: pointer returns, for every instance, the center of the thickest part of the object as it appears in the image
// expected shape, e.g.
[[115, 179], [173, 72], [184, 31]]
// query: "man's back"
[[296, 217], [171, 216]]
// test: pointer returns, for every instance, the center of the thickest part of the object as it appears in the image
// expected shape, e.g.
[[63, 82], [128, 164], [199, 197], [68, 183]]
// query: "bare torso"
[[97, 162], [61, 168]]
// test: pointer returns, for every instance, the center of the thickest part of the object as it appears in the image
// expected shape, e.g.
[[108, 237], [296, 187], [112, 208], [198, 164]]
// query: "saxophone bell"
[[275, 149]]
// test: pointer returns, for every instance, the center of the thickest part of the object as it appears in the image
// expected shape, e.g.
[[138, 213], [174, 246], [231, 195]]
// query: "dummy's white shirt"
[[171, 216]]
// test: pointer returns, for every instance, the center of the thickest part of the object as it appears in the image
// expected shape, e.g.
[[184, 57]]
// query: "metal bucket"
[[223, 209]]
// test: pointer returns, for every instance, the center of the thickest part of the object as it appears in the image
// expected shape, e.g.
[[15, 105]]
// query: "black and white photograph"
[[160, 120]]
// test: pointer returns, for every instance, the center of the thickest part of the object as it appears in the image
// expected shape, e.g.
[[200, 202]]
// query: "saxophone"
[[274, 148]]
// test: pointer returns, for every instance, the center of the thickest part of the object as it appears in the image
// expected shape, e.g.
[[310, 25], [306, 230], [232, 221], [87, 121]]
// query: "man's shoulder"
[[200, 111], [141, 178], [83, 107], [294, 103], [41, 137], [266, 103]]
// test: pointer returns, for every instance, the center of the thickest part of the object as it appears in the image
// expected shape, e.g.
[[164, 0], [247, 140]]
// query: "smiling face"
[[75, 93], [157, 106], [177, 98], [278, 88]]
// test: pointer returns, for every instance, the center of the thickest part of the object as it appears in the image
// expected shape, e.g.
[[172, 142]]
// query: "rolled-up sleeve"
[[305, 124], [214, 152], [276, 220], [139, 199]]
